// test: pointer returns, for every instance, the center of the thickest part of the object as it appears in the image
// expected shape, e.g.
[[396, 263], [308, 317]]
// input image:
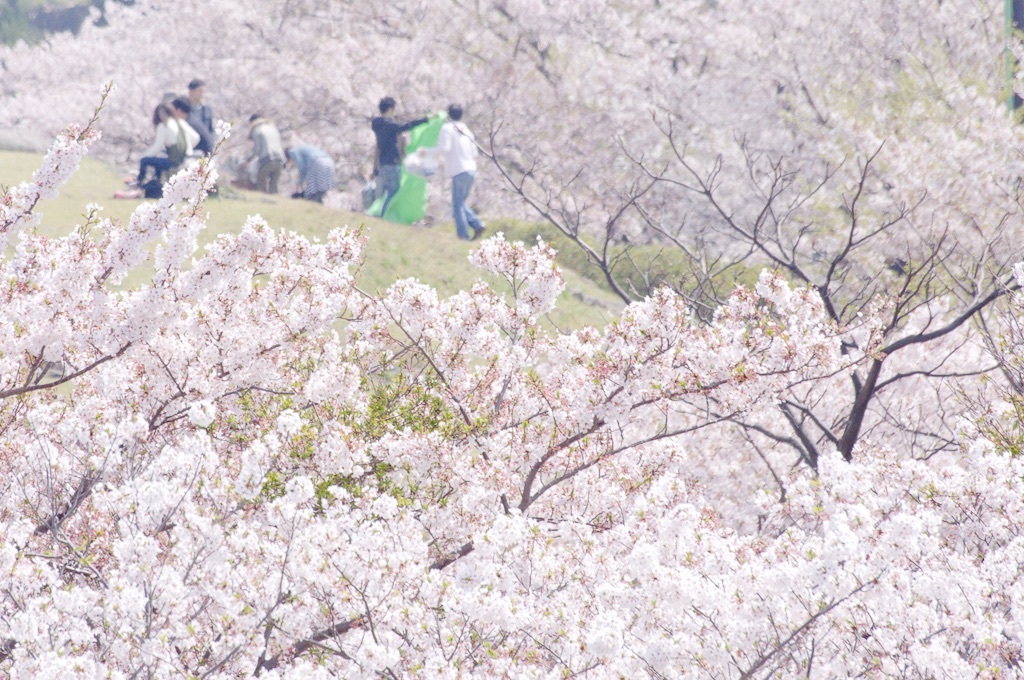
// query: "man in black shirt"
[[387, 166]]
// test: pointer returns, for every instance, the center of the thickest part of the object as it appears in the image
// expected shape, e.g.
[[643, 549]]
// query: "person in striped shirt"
[[316, 171]]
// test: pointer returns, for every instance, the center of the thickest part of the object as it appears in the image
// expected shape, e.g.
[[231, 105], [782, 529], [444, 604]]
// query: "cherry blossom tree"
[[863, 149], [247, 465]]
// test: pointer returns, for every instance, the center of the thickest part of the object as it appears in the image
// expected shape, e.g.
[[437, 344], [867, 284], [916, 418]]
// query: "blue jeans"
[[463, 214], [389, 177], [158, 163]]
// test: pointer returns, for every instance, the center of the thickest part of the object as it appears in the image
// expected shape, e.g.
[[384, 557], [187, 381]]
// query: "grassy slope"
[[434, 256]]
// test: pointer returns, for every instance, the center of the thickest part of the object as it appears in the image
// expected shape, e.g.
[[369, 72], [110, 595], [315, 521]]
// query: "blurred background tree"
[[32, 20]]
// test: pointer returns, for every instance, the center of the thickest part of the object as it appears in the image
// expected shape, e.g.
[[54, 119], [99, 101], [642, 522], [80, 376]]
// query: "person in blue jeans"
[[457, 148], [387, 166], [171, 130]]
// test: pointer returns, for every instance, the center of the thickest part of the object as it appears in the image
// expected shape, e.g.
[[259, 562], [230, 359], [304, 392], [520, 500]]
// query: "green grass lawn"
[[393, 251]]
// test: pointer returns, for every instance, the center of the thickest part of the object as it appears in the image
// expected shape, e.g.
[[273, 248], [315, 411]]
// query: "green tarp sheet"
[[410, 202]]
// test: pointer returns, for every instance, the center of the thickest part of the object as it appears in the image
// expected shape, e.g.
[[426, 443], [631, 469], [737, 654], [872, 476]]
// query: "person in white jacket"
[[173, 142], [457, 148]]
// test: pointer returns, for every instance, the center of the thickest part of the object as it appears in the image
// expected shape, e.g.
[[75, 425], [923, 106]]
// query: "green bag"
[[176, 152]]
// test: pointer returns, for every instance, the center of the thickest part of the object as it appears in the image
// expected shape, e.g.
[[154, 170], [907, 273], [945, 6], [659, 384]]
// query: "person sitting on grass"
[[172, 143]]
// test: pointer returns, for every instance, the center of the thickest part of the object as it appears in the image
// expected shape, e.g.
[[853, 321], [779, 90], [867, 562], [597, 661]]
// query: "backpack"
[[176, 151], [153, 189]]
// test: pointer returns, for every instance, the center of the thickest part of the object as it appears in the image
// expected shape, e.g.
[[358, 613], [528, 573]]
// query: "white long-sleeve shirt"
[[457, 147], [167, 135]]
